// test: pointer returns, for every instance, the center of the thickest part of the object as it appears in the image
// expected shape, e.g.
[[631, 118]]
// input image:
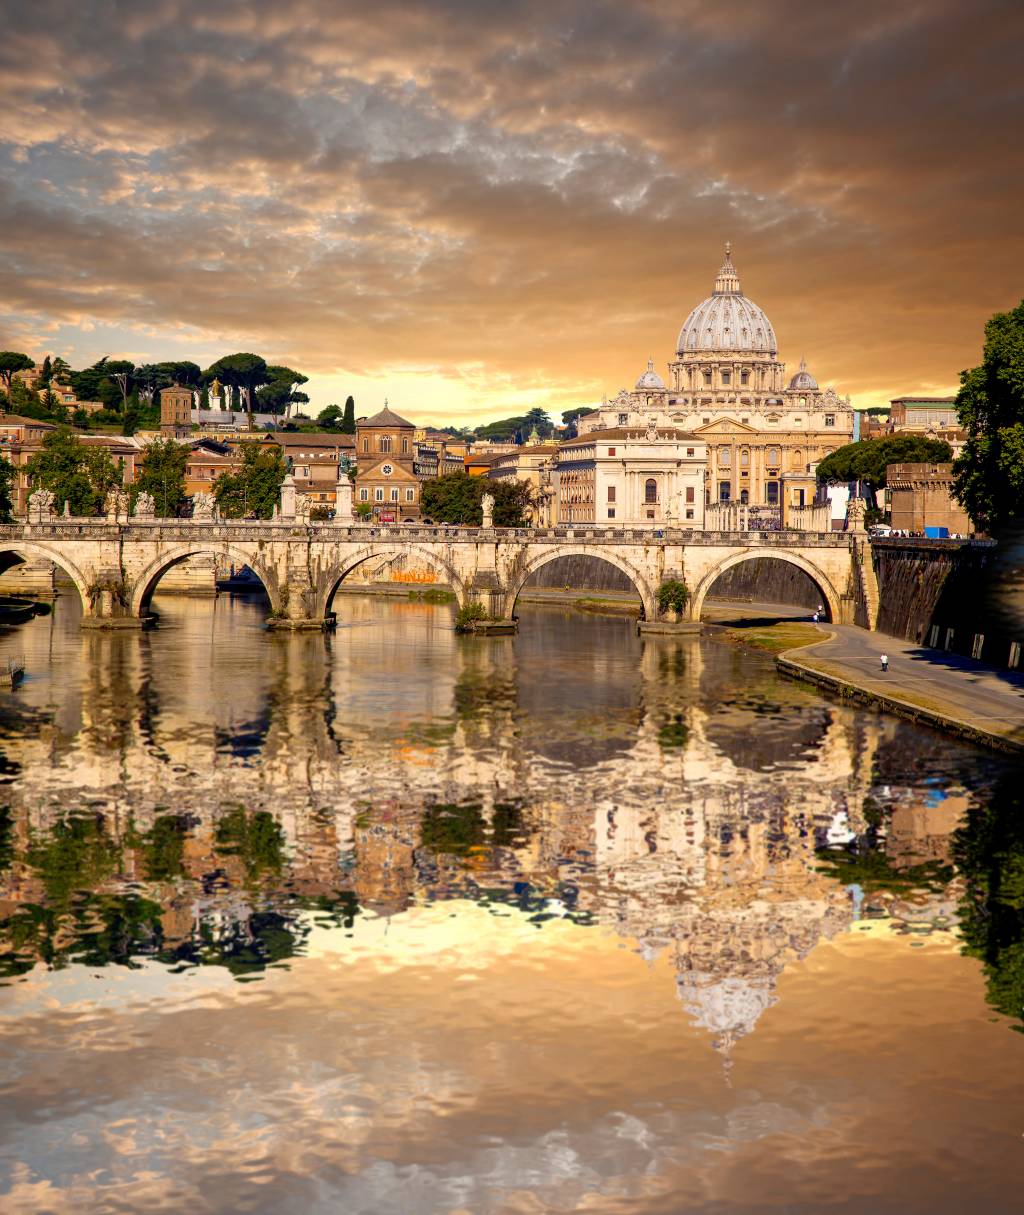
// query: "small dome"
[[650, 380], [727, 320], [803, 381]]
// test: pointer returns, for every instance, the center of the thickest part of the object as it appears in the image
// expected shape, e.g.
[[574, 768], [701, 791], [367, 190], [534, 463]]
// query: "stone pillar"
[[288, 498], [343, 514]]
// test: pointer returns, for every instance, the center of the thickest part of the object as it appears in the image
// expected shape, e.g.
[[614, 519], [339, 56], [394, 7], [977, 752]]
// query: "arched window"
[[744, 497], [724, 455], [385, 442], [650, 490], [744, 458], [773, 456]]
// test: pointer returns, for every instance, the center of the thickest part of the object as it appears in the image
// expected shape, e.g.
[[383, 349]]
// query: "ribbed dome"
[[650, 379], [727, 321], [803, 380]]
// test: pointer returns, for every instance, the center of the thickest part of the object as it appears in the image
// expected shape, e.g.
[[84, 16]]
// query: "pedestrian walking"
[[885, 663], [815, 617]]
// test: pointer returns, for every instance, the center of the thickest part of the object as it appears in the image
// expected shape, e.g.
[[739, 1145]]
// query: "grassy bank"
[[773, 638]]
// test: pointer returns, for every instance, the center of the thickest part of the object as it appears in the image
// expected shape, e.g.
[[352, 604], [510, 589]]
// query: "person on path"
[[815, 617], [885, 663]]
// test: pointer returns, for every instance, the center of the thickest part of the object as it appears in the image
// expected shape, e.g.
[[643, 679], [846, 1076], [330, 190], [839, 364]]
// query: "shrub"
[[673, 595], [467, 616]]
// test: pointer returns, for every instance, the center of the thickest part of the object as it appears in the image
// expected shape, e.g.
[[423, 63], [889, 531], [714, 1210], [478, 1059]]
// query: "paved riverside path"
[[960, 690]]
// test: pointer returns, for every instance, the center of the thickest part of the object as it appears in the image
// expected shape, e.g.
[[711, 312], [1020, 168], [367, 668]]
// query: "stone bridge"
[[116, 565]]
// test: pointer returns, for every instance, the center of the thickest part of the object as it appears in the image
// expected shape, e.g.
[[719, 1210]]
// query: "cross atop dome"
[[728, 281]]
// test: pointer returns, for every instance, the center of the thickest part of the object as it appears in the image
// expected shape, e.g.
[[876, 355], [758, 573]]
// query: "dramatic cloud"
[[471, 207]]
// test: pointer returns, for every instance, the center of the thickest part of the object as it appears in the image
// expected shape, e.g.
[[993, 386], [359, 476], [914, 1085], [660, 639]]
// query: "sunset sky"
[[472, 207]]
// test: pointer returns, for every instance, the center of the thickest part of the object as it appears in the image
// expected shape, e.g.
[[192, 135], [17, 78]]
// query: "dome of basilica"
[[650, 380], [727, 320], [803, 380]]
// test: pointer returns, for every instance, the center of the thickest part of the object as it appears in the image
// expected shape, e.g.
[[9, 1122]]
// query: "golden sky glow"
[[473, 208]]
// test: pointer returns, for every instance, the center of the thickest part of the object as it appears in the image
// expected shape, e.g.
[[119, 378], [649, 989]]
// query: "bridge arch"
[[640, 583], [146, 582], [337, 574], [830, 596], [26, 549]]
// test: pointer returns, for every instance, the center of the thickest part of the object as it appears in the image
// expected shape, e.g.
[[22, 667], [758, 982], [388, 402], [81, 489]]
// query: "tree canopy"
[[246, 372], [518, 429], [73, 471], [280, 390], [571, 417], [255, 489], [162, 474], [6, 486], [990, 405], [12, 361], [456, 498], [348, 421], [867, 460]]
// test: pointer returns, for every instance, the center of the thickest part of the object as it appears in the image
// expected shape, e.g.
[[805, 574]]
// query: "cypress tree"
[[348, 421]]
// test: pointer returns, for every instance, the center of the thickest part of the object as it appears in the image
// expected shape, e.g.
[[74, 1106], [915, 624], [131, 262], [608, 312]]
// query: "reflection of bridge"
[[117, 565]]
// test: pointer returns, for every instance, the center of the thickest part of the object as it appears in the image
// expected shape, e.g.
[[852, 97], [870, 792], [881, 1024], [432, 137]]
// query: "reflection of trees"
[[989, 852]]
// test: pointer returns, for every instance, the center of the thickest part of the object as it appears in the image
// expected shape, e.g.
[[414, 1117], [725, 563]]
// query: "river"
[[395, 921]]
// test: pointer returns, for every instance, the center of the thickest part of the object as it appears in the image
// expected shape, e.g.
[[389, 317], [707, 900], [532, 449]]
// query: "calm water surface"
[[392, 921]]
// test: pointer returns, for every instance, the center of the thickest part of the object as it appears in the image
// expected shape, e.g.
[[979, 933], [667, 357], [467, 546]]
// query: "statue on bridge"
[[487, 506], [202, 507], [40, 506], [145, 506], [116, 504]]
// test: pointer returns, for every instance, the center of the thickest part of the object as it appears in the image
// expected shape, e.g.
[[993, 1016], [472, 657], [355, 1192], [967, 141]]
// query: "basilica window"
[[405, 446], [689, 514], [726, 377], [385, 442], [773, 455], [689, 493], [744, 458], [394, 494], [650, 490], [611, 512], [611, 493], [366, 444], [724, 491], [772, 493], [803, 400], [744, 497], [830, 419], [707, 377], [744, 377], [724, 455], [611, 451]]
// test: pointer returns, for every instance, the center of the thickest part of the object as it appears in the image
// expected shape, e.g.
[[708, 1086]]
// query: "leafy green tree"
[[86, 383], [6, 489], [348, 422], [990, 405], [74, 472], [246, 373], [12, 361], [162, 474], [456, 498], [256, 487], [330, 416], [61, 371], [571, 417], [281, 391], [867, 460]]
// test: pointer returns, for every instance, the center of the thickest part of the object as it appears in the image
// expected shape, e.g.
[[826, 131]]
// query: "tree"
[[348, 422], [46, 372], [74, 472], [281, 392], [571, 419], [162, 474], [245, 372], [256, 487], [121, 373], [989, 471], [6, 485], [12, 361], [867, 460], [329, 416], [456, 498]]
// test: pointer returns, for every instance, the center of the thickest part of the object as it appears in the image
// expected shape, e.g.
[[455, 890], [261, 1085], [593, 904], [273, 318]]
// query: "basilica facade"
[[727, 387]]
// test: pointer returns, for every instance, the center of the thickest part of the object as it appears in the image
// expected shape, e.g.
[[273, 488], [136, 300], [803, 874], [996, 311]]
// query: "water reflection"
[[200, 795], [391, 920]]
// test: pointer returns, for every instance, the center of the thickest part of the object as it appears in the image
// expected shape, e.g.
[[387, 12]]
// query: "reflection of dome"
[[727, 320], [803, 380], [729, 1007], [650, 379]]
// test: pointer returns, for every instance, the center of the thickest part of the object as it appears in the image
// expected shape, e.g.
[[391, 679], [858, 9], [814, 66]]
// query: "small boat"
[[12, 672], [16, 611]]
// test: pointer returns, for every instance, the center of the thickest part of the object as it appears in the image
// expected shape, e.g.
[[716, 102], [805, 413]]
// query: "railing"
[[64, 527]]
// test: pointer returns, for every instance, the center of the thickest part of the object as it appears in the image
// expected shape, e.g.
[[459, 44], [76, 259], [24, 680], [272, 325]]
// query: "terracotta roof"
[[17, 420], [319, 438], [386, 417]]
